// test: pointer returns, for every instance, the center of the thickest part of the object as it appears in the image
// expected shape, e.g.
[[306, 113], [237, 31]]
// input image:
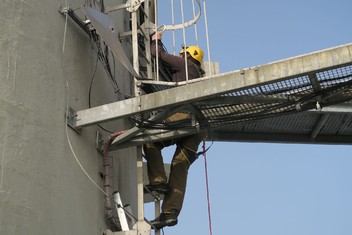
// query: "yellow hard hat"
[[195, 52]]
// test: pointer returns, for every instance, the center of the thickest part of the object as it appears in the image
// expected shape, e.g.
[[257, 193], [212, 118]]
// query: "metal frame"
[[205, 89]]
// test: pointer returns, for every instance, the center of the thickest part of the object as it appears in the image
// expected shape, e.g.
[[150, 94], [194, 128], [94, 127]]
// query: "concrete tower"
[[48, 64]]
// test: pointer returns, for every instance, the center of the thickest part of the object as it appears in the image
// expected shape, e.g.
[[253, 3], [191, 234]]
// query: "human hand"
[[157, 36]]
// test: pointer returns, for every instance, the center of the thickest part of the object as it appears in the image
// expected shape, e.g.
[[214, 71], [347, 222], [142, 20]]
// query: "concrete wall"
[[42, 188]]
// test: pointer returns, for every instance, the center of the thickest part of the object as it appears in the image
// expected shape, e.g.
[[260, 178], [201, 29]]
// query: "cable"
[[207, 187], [71, 146], [67, 108], [243, 112], [90, 91], [104, 192], [103, 55], [91, 81], [72, 150], [65, 28], [106, 178]]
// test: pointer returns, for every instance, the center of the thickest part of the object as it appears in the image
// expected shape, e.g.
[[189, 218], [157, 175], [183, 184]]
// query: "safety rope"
[[207, 187], [65, 28]]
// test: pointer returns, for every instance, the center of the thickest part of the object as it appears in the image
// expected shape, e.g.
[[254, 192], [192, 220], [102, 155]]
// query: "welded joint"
[[63, 10], [134, 5], [71, 120]]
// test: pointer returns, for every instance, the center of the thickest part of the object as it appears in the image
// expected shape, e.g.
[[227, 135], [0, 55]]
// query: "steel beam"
[[154, 135], [339, 108], [217, 85], [279, 138]]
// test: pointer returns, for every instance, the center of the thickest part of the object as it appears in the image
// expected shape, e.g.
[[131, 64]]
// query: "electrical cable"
[[91, 82], [254, 112], [67, 109], [69, 140], [90, 90], [80, 164], [66, 124], [106, 173], [72, 150], [65, 28], [103, 57]]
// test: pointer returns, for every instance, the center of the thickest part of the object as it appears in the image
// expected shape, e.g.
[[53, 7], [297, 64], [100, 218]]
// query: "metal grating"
[[334, 76], [278, 108], [305, 99], [278, 98]]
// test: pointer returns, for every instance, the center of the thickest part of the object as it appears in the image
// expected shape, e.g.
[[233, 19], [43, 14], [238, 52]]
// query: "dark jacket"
[[177, 64]]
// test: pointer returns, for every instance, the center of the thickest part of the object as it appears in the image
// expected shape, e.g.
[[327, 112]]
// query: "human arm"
[[175, 62]]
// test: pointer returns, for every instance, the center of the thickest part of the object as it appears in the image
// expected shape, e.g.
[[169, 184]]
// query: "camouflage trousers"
[[184, 156]]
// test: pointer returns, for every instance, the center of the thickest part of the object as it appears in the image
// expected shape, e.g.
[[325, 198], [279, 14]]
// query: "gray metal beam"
[[340, 108], [320, 124], [152, 135], [217, 85], [278, 138], [143, 136]]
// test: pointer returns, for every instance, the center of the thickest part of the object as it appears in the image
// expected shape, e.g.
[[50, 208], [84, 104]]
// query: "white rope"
[[2, 166], [184, 39], [65, 28], [66, 129], [207, 36], [72, 150]]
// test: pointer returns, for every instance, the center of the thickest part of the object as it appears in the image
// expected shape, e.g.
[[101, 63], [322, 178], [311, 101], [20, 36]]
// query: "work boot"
[[160, 188], [165, 219]]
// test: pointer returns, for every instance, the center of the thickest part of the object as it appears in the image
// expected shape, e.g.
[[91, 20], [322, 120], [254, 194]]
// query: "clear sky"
[[260, 188]]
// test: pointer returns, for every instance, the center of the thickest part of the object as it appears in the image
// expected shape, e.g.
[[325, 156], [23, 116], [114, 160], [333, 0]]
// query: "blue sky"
[[260, 188]]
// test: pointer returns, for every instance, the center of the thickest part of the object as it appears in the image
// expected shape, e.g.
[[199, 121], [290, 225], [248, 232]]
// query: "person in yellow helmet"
[[174, 186], [194, 55]]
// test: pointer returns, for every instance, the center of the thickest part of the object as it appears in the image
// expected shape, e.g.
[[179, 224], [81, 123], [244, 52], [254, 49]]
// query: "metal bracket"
[[115, 8], [133, 5], [84, 25], [142, 227], [121, 212], [71, 120], [99, 142]]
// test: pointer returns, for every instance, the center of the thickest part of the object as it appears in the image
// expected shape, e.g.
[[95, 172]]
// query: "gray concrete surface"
[[42, 188]]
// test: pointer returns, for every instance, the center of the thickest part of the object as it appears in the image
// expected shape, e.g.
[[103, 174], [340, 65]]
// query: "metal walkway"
[[304, 99]]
